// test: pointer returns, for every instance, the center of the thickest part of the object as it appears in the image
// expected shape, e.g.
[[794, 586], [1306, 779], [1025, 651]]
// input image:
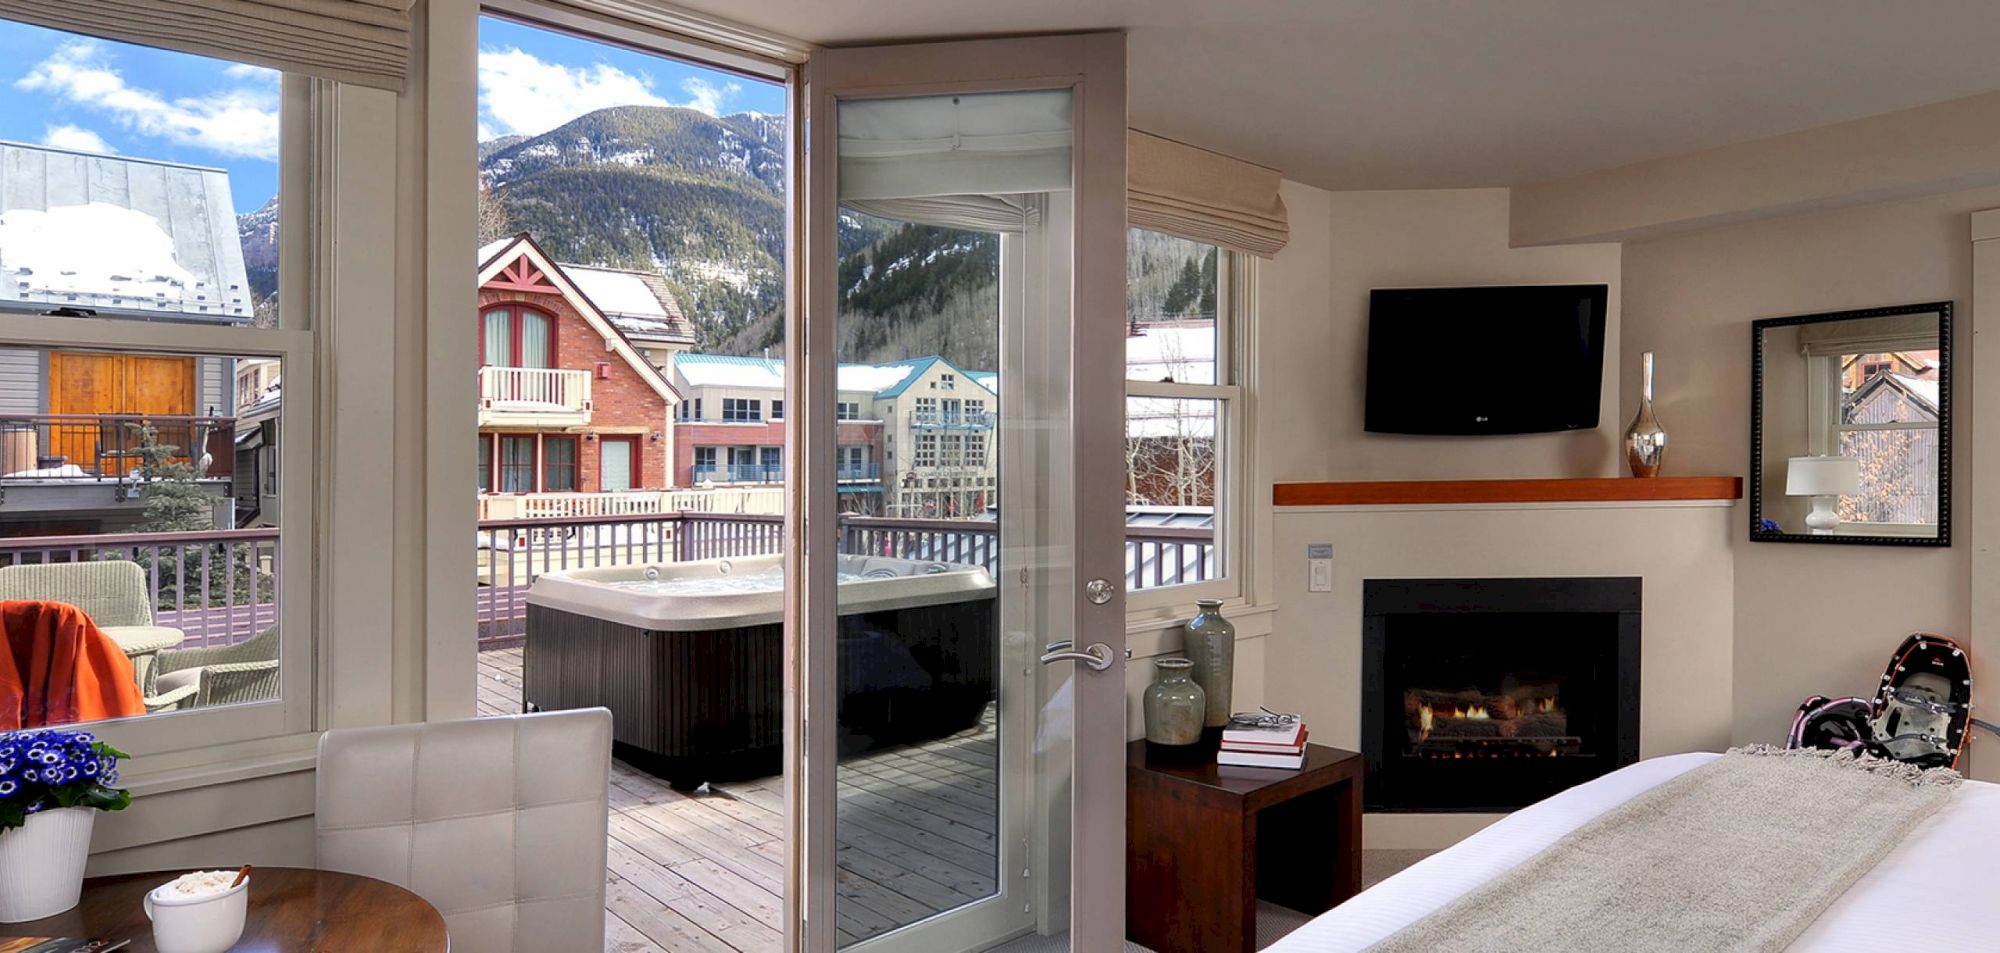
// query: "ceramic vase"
[[1645, 440], [1175, 706], [1210, 642], [41, 863]]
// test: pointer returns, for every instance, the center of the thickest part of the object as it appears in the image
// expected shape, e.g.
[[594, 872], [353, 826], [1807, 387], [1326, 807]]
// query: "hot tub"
[[689, 657]]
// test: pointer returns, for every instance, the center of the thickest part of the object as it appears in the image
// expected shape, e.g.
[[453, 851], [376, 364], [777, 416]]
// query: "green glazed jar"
[[1174, 704], [1210, 642]]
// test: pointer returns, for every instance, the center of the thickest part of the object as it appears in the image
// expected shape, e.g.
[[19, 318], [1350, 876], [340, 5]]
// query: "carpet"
[[1737, 856]]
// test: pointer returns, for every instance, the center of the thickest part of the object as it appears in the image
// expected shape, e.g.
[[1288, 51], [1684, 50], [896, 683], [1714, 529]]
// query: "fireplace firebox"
[[1491, 694]]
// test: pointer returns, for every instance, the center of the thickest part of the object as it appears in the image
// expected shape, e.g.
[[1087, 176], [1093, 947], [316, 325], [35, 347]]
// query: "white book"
[[1263, 728], [1245, 759]]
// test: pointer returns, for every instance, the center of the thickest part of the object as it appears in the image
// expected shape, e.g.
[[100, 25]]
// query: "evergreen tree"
[[1186, 291], [167, 479]]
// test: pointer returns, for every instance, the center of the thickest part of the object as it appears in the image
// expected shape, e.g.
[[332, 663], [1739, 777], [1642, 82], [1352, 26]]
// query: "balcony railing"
[[218, 587], [759, 473], [106, 447], [963, 420], [514, 552], [757, 499], [534, 390]]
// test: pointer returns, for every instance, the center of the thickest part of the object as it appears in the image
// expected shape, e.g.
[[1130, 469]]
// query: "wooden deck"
[[704, 872]]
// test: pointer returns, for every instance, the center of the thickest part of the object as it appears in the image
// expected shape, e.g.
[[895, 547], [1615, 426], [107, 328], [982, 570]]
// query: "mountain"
[[258, 232], [700, 199]]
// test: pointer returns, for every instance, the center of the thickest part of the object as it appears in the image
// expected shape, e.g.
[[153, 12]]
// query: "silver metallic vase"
[[1645, 440], [1174, 704], [1210, 642]]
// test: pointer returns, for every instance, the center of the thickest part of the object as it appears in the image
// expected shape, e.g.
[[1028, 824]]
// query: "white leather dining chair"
[[498, 822]]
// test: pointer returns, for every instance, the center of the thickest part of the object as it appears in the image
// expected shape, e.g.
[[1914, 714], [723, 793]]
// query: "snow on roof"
[[1179, 351], [1925, 389], [873, 377], [638, 303], [724, 370], [110, 232], [488, 250]]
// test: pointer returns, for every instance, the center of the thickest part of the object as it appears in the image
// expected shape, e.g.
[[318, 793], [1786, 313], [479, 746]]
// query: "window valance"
[[1203, 196], [355, 41], [1899, 332]]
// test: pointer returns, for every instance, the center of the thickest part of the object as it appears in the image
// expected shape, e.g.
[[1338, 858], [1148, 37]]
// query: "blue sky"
[[532, 80], [89, 95]]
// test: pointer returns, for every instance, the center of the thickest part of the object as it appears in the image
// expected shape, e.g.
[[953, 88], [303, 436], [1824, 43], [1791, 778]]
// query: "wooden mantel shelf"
[[1600, 490]]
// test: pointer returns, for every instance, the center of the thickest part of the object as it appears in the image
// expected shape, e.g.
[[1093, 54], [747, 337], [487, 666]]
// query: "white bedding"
[[1938, 891]]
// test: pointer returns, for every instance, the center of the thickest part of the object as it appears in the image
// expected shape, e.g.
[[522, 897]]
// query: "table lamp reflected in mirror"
[[1825, 479]]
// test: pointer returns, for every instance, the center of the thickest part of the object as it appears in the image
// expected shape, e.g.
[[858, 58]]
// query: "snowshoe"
[[1923, 709], [1836, 724]]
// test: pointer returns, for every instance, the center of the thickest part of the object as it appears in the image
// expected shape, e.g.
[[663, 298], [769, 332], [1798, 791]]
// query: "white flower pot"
[[41, 863]]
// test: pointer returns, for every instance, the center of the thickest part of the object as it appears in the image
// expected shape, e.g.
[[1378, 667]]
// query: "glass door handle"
[[1097, 655]]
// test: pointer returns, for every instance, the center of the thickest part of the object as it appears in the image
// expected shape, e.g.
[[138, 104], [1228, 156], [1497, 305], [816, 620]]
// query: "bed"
[[1938, 891]]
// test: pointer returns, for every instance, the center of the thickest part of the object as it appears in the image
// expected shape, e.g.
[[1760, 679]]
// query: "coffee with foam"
[[200, 883]]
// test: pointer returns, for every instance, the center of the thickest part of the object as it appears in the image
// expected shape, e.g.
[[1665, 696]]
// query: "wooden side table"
[[1204, 842]]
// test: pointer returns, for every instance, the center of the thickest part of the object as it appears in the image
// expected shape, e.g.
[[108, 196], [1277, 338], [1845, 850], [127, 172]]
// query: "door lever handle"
[[1097, 655]]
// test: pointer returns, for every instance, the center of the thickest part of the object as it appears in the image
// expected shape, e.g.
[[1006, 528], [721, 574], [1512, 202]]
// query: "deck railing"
[[514, 552], [92, 447], [217, 586]]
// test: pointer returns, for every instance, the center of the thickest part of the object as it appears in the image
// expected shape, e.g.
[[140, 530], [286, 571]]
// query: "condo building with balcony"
[[916, 437], [570, 401]]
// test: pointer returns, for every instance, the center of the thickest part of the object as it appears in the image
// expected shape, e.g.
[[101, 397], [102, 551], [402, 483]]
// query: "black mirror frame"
[[1756, 476]]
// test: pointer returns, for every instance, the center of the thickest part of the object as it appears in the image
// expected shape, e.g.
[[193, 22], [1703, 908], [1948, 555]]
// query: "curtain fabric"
[[1897, 332], [1003, 214], [366, 42], [1203, 196]]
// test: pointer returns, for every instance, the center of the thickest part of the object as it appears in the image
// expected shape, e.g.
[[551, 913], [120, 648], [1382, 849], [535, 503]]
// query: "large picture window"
[[157, 362]]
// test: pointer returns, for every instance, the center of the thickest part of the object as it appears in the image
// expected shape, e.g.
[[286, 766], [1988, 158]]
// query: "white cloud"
[[520, 93], [76, 139], [708, 97], [240, 122]]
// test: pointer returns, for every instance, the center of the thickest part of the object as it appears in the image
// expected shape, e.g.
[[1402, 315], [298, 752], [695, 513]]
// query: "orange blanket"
[[59, 668]]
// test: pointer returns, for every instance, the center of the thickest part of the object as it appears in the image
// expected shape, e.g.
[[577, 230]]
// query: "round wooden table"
[[292, 910]]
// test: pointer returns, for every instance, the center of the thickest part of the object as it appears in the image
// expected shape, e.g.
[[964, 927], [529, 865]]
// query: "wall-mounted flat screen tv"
[[1508, 360]]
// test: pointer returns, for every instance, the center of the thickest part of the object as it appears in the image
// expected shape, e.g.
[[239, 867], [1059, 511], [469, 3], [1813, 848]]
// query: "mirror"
[[1850, 429]]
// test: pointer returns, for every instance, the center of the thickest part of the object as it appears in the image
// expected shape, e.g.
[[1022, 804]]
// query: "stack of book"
[[1262, 740]]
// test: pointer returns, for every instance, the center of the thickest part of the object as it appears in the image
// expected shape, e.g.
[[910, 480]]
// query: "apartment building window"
[[691, 409], [847, 410], [927, 410], [947, 381], [975, 450], [927, 451], [951, 451], [742, 409], [1183, 408], [771, 460], [485, 463], [853, 462], [975, 412], [777, 410], [704, 463], [559, 464], [952, 411]]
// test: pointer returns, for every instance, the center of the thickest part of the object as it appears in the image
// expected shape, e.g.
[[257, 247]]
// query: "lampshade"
[[1823, 476]]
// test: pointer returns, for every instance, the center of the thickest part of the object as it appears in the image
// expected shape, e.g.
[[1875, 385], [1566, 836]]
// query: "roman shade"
[[1001, 214], [355, 41], [1203, 196], [1900, 332], [970, 144]]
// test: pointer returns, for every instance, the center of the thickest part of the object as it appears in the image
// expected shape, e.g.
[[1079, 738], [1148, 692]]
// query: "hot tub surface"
[[689, 657]]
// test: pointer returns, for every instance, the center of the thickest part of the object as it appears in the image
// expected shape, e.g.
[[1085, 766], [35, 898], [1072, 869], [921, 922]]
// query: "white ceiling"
[[1442, 93]]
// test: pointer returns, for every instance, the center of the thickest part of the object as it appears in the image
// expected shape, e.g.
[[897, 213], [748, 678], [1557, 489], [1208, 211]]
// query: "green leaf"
[[12, 814]]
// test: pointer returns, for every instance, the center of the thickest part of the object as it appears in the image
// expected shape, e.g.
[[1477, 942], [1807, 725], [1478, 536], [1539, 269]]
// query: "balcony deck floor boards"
[[704, 872]]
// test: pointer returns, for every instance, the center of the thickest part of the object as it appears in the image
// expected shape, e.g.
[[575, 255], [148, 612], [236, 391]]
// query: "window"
[[777, 410], [953, 411], [975, 413], [975, 450], [742, 409], [517, 464], [853, 463], [704, 463], [516, 337], [559, 464], [950, 451], [485, 463], [927, 411], [1881, 409], [772, 461], [927, 450], [690, 409], [947, 381], [847, 410], [1182, 406], [617, 463], [166, 412]]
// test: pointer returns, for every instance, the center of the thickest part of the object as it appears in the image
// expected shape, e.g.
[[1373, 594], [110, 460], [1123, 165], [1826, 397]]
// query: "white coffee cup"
[[197, 923]]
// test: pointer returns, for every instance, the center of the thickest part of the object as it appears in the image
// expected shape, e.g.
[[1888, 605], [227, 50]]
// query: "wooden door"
[[87, 388]]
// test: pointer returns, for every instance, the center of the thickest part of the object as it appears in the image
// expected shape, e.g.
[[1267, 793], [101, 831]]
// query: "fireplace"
[[1491, 694]]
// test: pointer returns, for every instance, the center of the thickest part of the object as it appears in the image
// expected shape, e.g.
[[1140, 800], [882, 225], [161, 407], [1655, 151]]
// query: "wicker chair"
[[220, 675], [111, 592]]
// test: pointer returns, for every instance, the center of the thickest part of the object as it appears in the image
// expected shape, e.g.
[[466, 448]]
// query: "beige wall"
[[1808, 618], [1419, 239]]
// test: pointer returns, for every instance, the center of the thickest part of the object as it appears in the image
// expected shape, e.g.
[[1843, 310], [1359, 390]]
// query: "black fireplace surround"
[[1491, 694]]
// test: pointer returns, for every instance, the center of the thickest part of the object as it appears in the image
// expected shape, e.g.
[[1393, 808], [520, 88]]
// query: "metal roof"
[[119, 233]]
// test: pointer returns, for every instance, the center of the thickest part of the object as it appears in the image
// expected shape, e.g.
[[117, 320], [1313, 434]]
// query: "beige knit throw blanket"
[[1738, 855]]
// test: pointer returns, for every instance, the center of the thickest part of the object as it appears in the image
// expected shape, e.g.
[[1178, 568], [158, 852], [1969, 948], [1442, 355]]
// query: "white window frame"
[[1235, 317], [1823, 400], [170, 740]]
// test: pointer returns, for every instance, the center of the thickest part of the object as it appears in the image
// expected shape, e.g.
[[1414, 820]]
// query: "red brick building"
[[567, 401]]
